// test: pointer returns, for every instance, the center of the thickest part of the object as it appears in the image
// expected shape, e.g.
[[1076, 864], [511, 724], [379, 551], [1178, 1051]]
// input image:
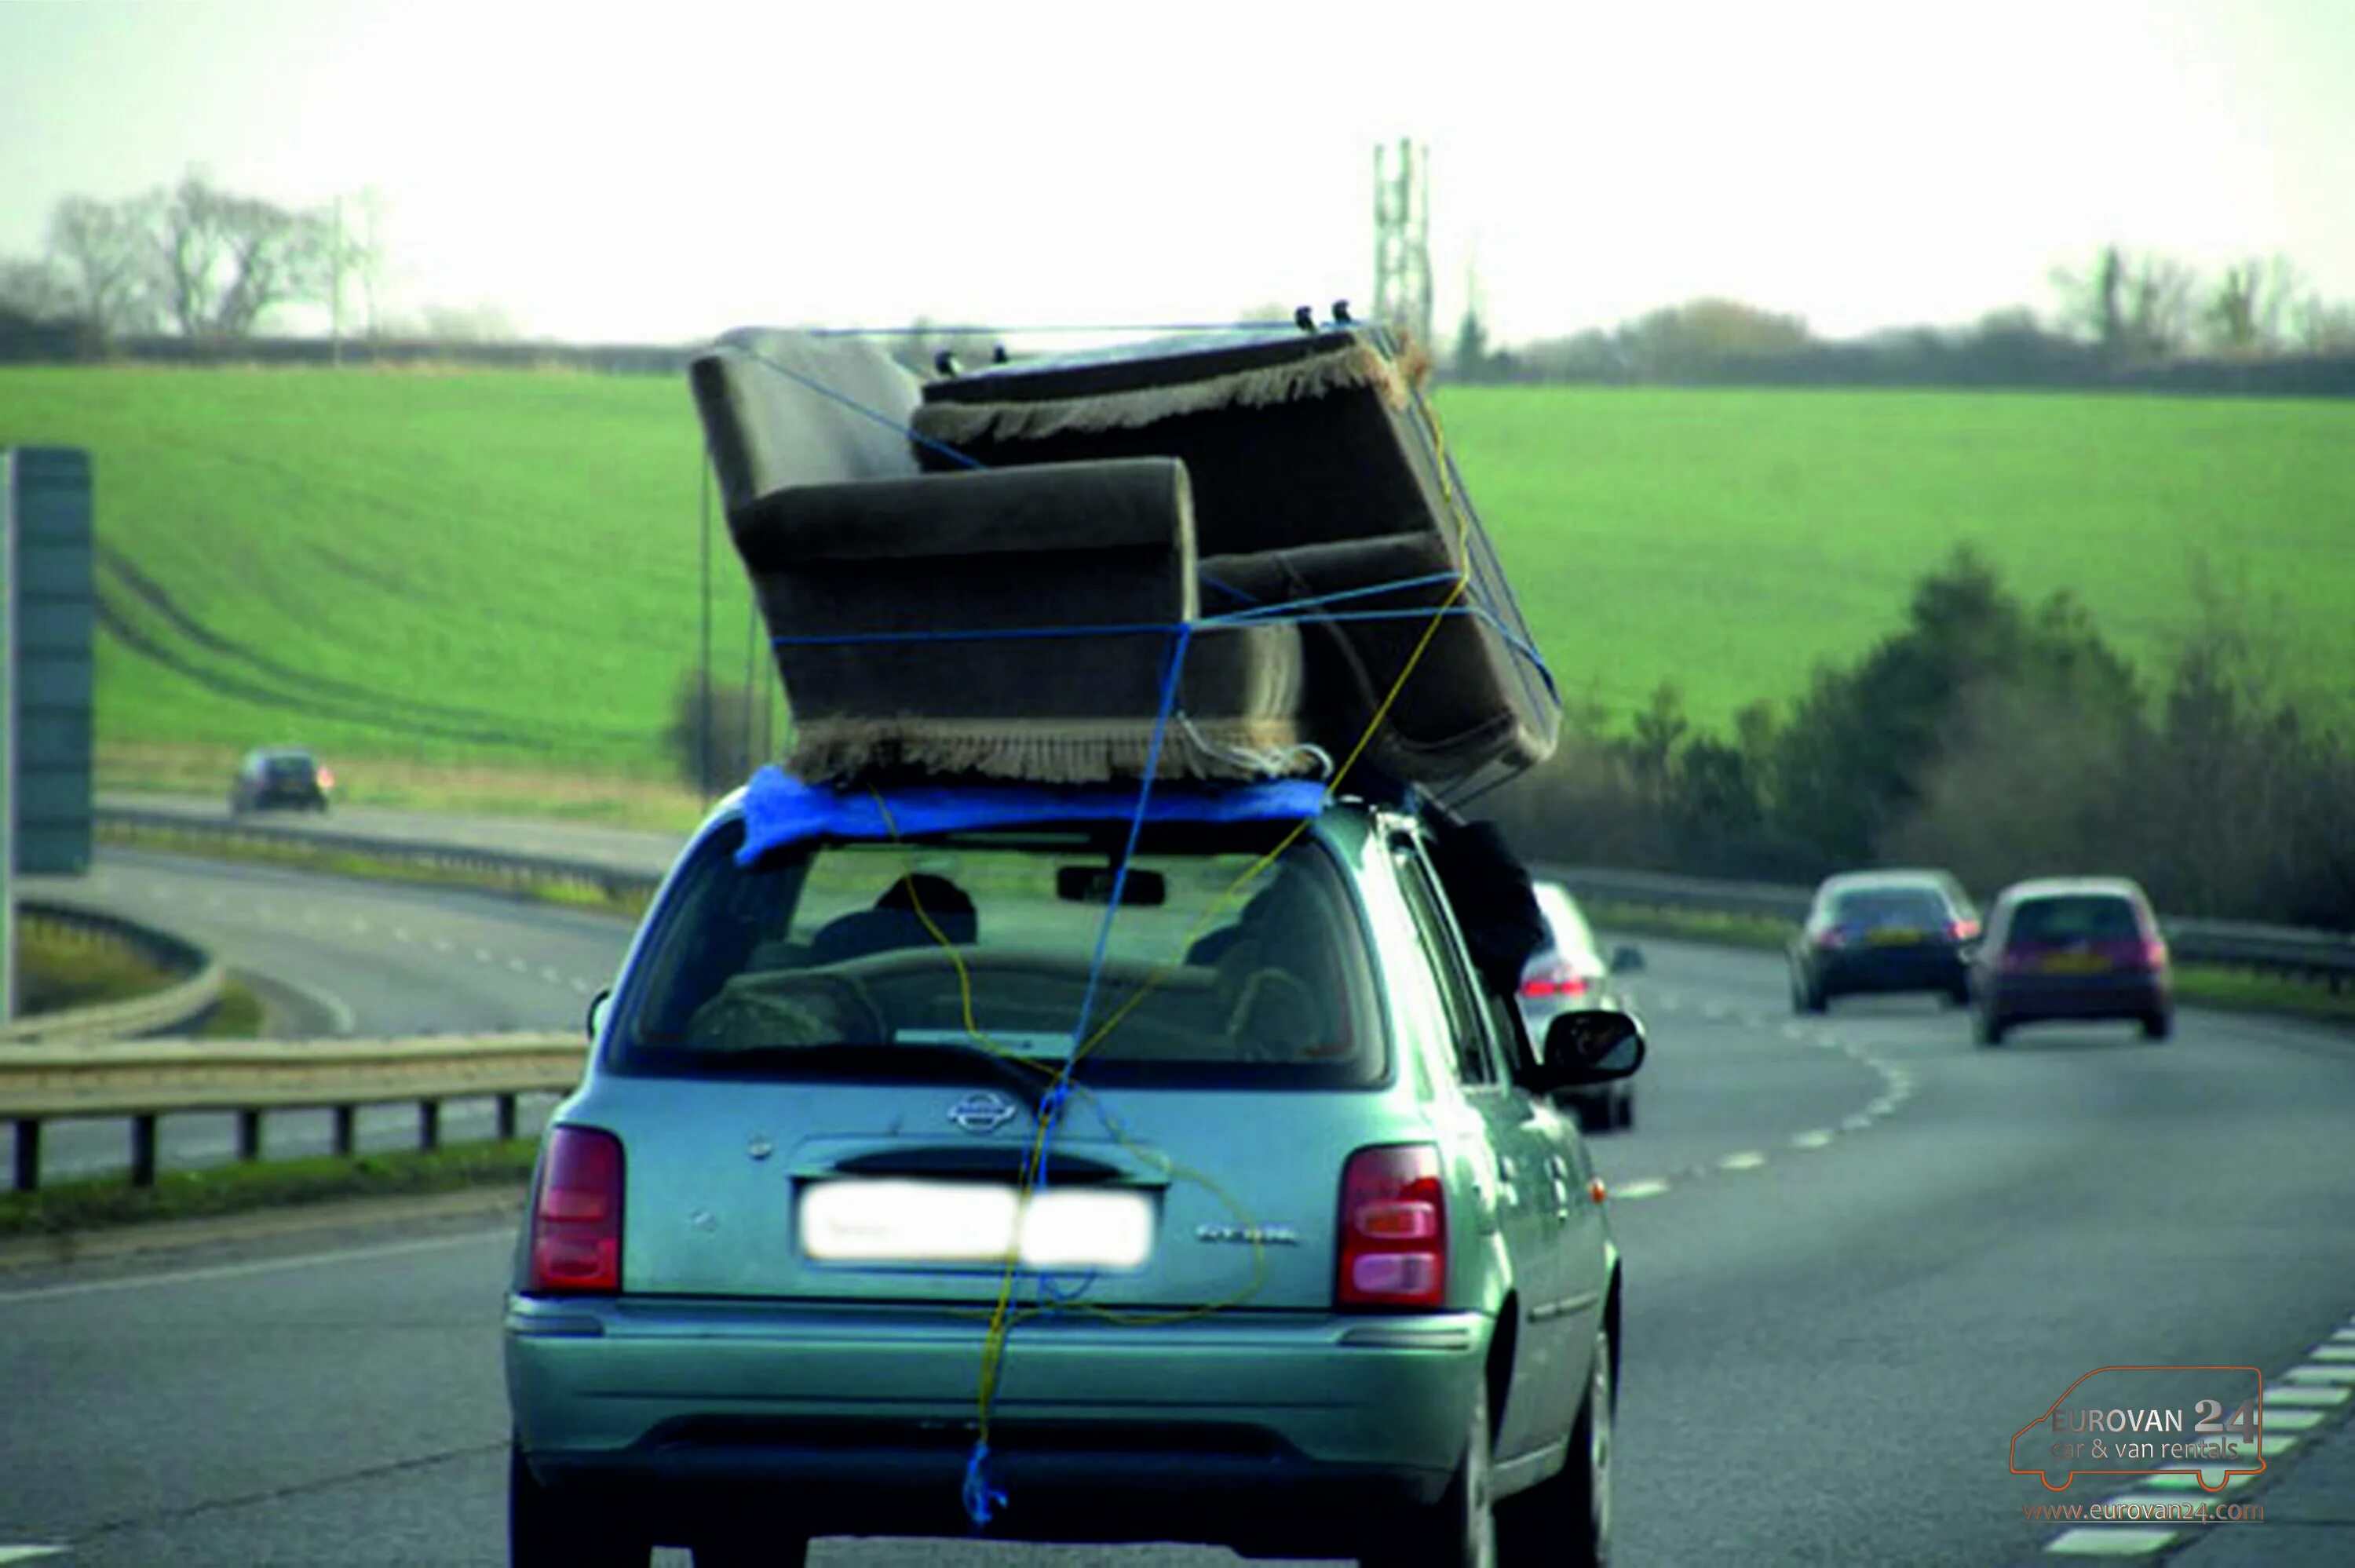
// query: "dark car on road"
[[280, 776], [1568, 975], [1881, 931], [1318, 1269], [2073, 948]]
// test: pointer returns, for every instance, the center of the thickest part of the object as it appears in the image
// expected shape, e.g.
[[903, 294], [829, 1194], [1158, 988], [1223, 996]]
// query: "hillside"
[[501, 568]]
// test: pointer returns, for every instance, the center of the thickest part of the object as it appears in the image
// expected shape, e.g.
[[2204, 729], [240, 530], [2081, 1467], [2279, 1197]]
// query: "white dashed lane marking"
[[482, 955], [2321, 1375], [518, 966], [26, 1553], [1635, 1189], [1747, 1160], [1815, 1140], [2112, 1541]]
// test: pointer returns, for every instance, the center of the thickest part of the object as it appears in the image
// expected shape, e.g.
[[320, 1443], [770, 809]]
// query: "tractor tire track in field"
[[298, 690]]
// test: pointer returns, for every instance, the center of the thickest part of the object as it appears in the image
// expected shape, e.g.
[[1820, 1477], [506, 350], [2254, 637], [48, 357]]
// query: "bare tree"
[[34, 291], [222, 261], [100, 251], [2249, 312]]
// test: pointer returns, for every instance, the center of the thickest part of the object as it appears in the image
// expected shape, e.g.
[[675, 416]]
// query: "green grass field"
[[501, 569]]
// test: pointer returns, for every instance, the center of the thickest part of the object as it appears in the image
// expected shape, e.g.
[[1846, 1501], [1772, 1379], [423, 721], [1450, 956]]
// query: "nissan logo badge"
[[983, 1110]]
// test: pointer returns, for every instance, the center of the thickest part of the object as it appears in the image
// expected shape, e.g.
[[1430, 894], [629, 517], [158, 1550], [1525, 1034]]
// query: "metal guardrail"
[[612, 880], [171, 1008], [145, 1081], [2327, 956]]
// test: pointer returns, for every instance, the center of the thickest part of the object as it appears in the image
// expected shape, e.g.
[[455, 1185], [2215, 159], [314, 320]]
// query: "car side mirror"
[[599, 1006], [1587, 1047], [1628, 960]]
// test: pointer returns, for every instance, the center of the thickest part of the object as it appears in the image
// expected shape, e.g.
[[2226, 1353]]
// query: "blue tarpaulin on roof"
[[780, 809]]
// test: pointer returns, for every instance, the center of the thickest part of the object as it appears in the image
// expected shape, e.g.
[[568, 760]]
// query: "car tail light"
[[326, 778], [2154, 953], [1962, 930], [1393, 1229], [1832, 937], [1559, 980], [576, 1214]]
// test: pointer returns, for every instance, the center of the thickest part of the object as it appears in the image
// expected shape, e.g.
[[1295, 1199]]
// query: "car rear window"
[[286, 767], [826, 961], [2088, 918], [1889, 906]]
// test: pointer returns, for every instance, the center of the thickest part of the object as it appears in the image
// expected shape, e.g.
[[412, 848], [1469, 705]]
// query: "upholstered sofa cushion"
[[1014, 623]]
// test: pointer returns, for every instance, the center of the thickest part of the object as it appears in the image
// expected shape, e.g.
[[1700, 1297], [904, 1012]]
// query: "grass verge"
[[61, 968], [2202, 985], [105, 1202], [294, 854]]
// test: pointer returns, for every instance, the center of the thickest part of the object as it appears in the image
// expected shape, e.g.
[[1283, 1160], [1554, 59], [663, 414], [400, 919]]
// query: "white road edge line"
[[504, 1236], [26, 1553], [344, 1020]]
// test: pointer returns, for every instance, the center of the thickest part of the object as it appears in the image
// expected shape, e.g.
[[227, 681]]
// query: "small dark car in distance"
[[1881, 931], [1568, 975], [2072, 948], [278, 775]]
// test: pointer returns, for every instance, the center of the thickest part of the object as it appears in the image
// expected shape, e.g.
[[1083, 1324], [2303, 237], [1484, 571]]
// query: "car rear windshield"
[[289, 766], [1889, 906], [860, 961], [2088, 918]]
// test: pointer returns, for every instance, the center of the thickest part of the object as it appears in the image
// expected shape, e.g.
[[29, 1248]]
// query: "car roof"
[[2074, 887]]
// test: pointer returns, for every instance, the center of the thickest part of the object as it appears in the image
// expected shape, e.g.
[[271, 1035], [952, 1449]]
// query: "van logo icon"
[[983, 1110]]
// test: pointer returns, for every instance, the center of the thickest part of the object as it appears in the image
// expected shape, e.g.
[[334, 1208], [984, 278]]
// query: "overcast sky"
[[665, 170]]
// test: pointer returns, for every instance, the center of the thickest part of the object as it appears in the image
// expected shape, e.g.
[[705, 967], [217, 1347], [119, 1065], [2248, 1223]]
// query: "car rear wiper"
[[901, 1059]]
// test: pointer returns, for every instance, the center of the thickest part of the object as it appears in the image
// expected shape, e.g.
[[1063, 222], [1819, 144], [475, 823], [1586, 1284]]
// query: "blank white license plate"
[[970, 1222]]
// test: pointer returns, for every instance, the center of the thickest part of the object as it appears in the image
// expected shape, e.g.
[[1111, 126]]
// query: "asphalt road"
[[362, 958], [1861, 1253]]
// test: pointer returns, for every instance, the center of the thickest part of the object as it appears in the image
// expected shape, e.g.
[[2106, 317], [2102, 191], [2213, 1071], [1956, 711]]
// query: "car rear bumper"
[[2019, 998], [856, 1419], [1924, 967]]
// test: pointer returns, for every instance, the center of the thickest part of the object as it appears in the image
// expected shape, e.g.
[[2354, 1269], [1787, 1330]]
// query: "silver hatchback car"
[[1000, 1161]]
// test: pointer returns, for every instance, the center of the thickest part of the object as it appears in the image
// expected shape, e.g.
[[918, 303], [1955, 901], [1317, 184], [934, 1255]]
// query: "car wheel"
[[544, 1532], [1459, 1530], [1565, 1522], [1990, 1029], [2157, 1025]]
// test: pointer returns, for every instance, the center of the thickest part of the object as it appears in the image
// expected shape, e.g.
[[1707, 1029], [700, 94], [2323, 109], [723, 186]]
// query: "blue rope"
[[980, 1498], [1135, 829], [1272, 612], [856, 407]]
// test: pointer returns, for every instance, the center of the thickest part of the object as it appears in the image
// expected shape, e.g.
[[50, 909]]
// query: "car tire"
[[2157, 1025], [1564, 1522], [1989, 1029], [1459, 1530], [543, 1532]]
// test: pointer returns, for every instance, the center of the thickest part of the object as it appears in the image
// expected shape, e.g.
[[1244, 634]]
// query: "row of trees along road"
[[2126, 311], [194, 259]]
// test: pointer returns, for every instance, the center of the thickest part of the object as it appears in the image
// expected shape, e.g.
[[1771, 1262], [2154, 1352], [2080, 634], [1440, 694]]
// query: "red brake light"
[[326, 778], [1962, 930], [2154, 953], [1393, 1229], [1555, 982], [576, 1214]]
